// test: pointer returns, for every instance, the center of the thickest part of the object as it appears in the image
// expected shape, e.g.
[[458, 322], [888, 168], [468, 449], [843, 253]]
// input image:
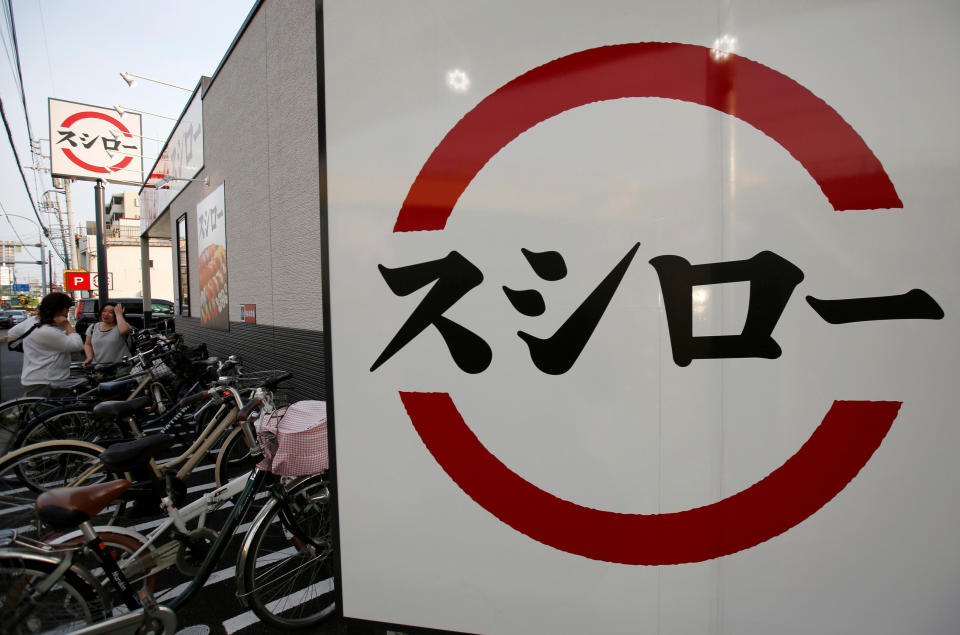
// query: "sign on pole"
[[653, 323], [76, 280], [92, 143], [95, 281]]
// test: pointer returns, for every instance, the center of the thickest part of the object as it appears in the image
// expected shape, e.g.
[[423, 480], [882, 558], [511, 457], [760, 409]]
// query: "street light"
[[40, 234], [131, 82], [168, 179], [113, 133], [40, 231], [122, 110]]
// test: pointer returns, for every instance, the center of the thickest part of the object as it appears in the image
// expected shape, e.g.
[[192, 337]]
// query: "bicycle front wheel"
[[288, 582], [72, 602], [233, 459]]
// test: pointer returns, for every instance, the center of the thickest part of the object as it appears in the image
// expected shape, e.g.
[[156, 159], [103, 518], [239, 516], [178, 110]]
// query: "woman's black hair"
[[51, 304]]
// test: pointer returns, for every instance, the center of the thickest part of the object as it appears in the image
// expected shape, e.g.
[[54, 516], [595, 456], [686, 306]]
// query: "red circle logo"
[[70, 154], [828, 148]]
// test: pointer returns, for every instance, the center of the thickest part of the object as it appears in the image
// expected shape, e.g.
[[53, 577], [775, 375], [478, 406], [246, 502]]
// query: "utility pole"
[[74, 256]]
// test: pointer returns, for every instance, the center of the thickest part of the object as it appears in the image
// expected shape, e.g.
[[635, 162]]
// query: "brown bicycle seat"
[[67, 507]]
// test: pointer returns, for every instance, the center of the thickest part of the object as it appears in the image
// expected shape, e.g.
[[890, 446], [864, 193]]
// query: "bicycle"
[[284, 570], [14, 413], [80, 419], [39, 467], [91, 384]]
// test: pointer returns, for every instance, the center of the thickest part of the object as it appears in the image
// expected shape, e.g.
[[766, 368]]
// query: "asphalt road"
[[216, 609]]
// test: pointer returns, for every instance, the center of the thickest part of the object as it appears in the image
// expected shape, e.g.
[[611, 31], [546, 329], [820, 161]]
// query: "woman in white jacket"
[[47, 349]]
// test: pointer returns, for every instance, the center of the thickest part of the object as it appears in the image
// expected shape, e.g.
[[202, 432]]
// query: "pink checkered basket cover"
[[294, 439]]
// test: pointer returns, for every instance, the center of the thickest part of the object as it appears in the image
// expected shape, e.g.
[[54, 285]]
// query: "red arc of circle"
[[830, 150], [839, 447], [89, 114]]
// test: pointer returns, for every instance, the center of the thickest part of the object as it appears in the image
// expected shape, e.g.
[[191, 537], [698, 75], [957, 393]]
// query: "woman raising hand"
[[107, 339]]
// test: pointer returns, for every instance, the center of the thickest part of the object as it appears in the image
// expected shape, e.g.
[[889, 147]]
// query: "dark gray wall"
[[265, 347], [260, 140]]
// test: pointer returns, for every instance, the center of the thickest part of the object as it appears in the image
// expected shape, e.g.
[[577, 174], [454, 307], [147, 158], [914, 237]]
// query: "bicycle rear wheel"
[[73, 422], [73, 602], [30, 471], [289, 583], [13, 414]]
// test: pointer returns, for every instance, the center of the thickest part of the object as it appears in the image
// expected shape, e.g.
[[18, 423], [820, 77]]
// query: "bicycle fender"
[[13, 456], [242, 584], [112, 529]]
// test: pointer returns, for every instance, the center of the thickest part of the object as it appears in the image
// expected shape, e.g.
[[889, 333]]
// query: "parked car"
[[6, 320], [88, 312], [18, 315]]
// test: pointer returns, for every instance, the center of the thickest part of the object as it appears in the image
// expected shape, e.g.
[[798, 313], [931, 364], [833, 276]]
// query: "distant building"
[[122, 238]]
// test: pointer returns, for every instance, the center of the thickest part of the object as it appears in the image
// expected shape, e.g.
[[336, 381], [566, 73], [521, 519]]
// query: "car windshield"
[[158, 307]]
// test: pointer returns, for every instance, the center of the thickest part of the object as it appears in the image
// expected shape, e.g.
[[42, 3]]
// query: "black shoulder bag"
[[17, 345]]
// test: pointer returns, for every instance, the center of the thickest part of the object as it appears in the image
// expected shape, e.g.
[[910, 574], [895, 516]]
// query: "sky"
[[75, 51]]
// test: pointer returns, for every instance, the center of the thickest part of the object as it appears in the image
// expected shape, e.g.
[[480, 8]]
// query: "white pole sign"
[[91, 143], [641, 324]]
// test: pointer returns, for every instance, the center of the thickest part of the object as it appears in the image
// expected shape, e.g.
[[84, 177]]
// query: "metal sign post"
[[101, 242]]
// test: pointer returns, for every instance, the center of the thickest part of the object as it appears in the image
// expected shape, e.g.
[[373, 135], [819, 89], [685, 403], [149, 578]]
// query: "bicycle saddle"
[[110, 388], [131, 454], [121, 408], [68, 384], [67, 507]]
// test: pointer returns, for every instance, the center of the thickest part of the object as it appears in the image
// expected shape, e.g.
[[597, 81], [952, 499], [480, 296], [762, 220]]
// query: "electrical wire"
[[23, 177], [43, 228], [46, 46], [16, 50], [6, 46]]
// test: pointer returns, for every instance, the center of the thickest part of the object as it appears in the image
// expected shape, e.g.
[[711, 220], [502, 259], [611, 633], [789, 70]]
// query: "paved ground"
[[216, 609]]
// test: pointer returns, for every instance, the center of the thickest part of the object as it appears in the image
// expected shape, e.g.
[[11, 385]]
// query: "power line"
[[6, 47], [10, 222], [16, 50], [46, 46], [23, 176]]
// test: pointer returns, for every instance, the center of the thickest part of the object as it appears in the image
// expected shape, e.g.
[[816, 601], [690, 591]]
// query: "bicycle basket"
[[294, 439], [158, 369]]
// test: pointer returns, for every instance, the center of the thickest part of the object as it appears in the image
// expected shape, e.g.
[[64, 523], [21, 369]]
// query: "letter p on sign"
[[76, 280]]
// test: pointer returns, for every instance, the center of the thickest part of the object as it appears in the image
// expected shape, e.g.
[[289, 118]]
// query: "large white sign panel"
[[91, 143], [644, 315], [181, 160]]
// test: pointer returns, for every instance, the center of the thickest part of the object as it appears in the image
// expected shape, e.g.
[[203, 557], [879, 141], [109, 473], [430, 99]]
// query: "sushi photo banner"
[[212, 261]]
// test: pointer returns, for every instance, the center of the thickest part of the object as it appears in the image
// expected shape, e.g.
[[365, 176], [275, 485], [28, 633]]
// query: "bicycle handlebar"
[[197, 396], [272, 383], [244, 413]]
